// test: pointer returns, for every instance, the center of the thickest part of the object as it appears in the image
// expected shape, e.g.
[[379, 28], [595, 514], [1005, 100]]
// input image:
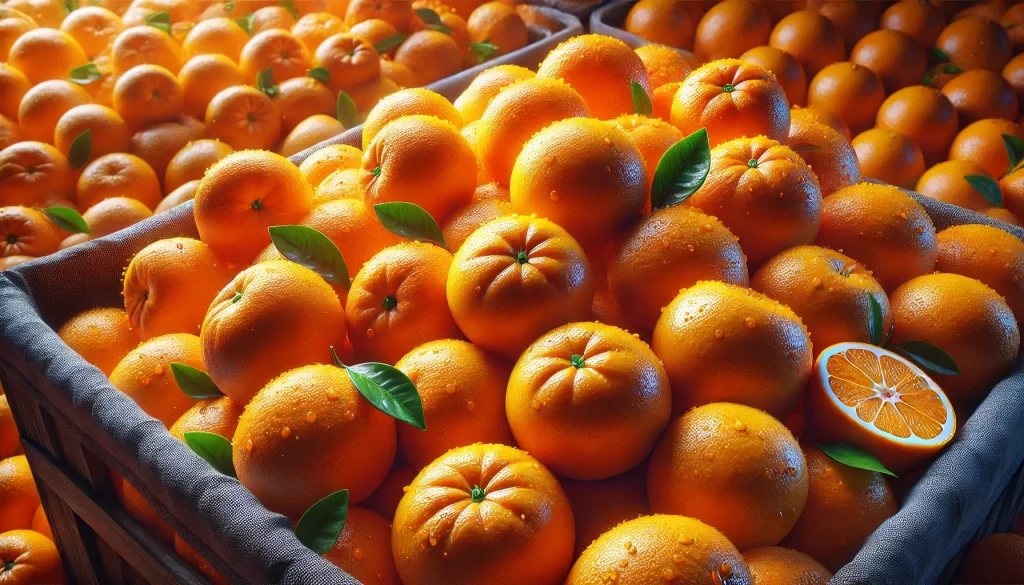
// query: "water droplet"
[[332, 394], [685, 540], [719, 334], [433, 540], [358, 554], [369, 333], [623, 563], [248, 445], [144, 381], [470, 406], [179, 246], [725, 570], [286, 432], [739, 425], [678, 559], [816, 282], [311, 417], [450, 388], [668, 574], [750, 322], [424, 535], [553, 196], [535, 404]]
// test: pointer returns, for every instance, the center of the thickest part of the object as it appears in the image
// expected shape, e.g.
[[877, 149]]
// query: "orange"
[[828, 290], [583, 174], [144, 374], [44, 12], [548, 283], [117, 175], [699, 348], [829, 155], [747, 177], [601, 70], [13, 86], [242, 195], [599, 506], [1014, 74], [888, 156], [10, 441], [192, 161], [588, 400], [189, 554], [499, 24], [26, 232], [789, 73], [982, 142], [521, 529], [157, 143], [399, 74], [460, 34], [1003, 215], [43, 54], [408, 102], [895, 56], [244, 117], [978, 94], [214, 415], [991, 10], [662, 98], [214, 36], [852, 92], [40, 523], [317, 166], [351, 61], [384, 500], [946, 182], [398, 13], [101, 337], [363, 550], [9, 132], [773, 565], [182, 194], [109, 133], [93, 27], [730, 28], [311, 417], [811, 38], [340, 184], [423, 160], [753, 490], [923, 114], [301, 98], [996, 558], [31, 172], [651, 137], [665, 22], [277, 50], [469, 131], [469, 218], [110, 215], [975, 42], [13, 24], [669, 250], [799, 115], [43, 105], [310, 132], [474, 100], [18, 496], [921, 20], [145, 45], [367, 95], [983, 338], [139, 508], [314, 28], [271, 18], [463, 394], [148, 93], [988, 254], [169, 285], [1012, 20], [29, 557], [430, 56], [731, 98], [844, 507], [854, 20], [203, 77], [664, 64]]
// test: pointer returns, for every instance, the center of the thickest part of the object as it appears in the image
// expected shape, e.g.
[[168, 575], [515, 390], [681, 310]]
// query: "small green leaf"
[[160, 20], [389, 43], [322, 524], [441, 28], [682, 170], [289, 5], [229, 6], [987, 187], [194, 382], [70, 6], [410, 221], [81, 150], [641, 101], [236, 298], [876, 322], [320, 74], [927, 356], [246, 22], [265, 82], [214, 449], [484, 51], [950, 69], [928, 79], [1014, 150], [938, 55], [388, 390], [888, 333], [67, 219], [308, 247], [85, 74], [855, 457], [428, 16], [345, 111]]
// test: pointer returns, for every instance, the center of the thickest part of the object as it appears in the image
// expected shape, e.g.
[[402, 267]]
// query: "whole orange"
[[888, 156], [474, 100], [975, 42], [31, 171], [157, 143], [101, 336], [665, 64], [895, 56], [850, 91], [277, 50], [947, 182], [43, 54], [731, 27], [828, 153], [148, 93], [18, 496], [811, 38], [979, 93], [923, 114], [203, 77], [315, 27], [192, 162], [118, 174], [13, 85], [775, 565], [317, 166], [29, 557], [982, 142], [27, 232], [666, 22], [407, 102], [107, 130], [499, 24], [652, 137], [787, 70], [144, 375], [854, 20], [214, 36], [430, 56], [42, 107], [244, 117], [923, 21]]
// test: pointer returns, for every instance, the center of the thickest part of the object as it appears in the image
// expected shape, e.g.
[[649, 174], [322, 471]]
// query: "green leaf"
[[410, 221], [246, 22], [289, 5], [265, 82], [441, 28], [855, 457], [389, 43], [70, 6], [428, 16], [927, 356], [1014, 150], [641, 101], [229, 6], [85, 74], [194, 382], [682, 170], [938, 55], [484, 51], [320, 74], [388, 390], [214, 449], [67, 219], [888, 333], [81, 150], [951, 69], [928, 79], [308, 247], [160, 20], [876, 322], [988, 188], [324, 521], [345, 111]]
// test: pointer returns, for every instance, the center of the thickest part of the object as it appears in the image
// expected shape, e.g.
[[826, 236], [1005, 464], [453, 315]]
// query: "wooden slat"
[[115, 568]]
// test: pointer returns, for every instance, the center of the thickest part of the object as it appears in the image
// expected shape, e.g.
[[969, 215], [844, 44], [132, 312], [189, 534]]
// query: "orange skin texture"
[[467, 220], [375, 31], [310, 132], [780, 191], [787, 70], [923, 114], [662, 99], [1013, 192], [340, 184], [213, 36], [1003, 215], [169, 285], [34, 556], [671, 249], [827, 290], [663, 22], [244, 117], [317, 166], [422, 160], [158, 143], [756, 105], [772, 565], [43, 54], [50, 176], [430, 56], [895, 56], [503, 306], [473, 101], [148, 93], [978, 94], [598, 506], [811, 38], [408, 102], [216, 415], [592, 422], [109, 133], [982, 142], [384, 500], [186, 192], [701, 364], [969, 321], [101, 336], [42, 107], [27, 232], [996, 558], [730, 28], [10, 440], [363, 550], [13, 85], [520, 532], [19, 496], [799, 116], [1012, 20], [315, 27], [852, 19], [203, 77], [300, 98], [271, 18], [664, 64], [600, 69], [850, 91], [499, 24], [1014, 74], [276, 49], [975, 42], [299, 313], [945, 182], [827, 152], [13, 24], [190, 556], [888, 156], [40, 524], [9, 132], [326, 440], [144, 375], [844, 506], [192, 161], [923, 21], [142, 44], [652, 137], [395, 12], [463, 394], [731, 490], [111, 215], [117, 174]]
